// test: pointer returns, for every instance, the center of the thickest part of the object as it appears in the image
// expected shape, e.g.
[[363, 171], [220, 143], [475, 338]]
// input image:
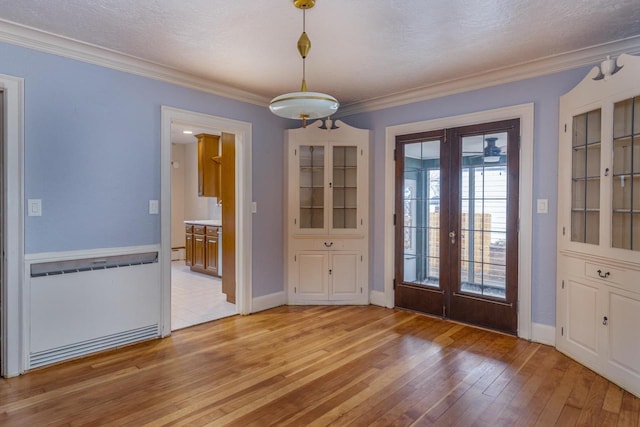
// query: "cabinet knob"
[[605, 320]]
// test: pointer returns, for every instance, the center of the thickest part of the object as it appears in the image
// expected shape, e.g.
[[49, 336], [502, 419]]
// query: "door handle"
[[452, 236]]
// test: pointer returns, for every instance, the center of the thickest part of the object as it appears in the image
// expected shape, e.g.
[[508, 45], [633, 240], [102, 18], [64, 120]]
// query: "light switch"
[[254, 207], [543, 206], [34, 207], [154, 207]]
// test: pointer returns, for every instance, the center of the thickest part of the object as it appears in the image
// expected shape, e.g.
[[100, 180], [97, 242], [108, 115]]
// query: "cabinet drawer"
[[607, 274], [212, 230], [188, 228], [198, 229]]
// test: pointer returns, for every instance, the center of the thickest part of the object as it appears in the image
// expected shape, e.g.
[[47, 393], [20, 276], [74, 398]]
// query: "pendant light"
[[304, 105]]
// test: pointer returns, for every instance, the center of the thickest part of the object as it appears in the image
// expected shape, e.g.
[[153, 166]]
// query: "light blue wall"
[[544, 92], [92, 154]]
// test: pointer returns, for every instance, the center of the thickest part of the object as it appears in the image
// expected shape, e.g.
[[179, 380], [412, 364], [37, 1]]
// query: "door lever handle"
[[452, 236]]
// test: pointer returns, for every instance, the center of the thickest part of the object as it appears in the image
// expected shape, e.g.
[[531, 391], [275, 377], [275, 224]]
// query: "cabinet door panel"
[[198, 251], [344, 275], [312, 274], [188, 249], [623, 321], [582, 320], [211, 250]]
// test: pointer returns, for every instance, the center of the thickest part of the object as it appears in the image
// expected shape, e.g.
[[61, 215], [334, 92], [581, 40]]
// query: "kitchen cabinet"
[[327, 205], [598, 274], [202, 253], [209, 168]]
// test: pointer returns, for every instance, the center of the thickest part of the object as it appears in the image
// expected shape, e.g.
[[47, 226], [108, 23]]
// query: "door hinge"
[[361, 258], [565, 128], [361, 290], [562, 331], [361, 221], [563, 284], [394, 283], [295, 221], [295, 290], [295, 152], [563, 231], [295, 258], [394, 219], [361, 152]]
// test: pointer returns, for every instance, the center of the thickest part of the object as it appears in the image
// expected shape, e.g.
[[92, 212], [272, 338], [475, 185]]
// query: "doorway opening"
[[197, 288], [236, 248], [456, 244]]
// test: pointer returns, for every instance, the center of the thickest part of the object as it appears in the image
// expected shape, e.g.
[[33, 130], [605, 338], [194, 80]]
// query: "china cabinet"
[[598, 289], [327, 205]]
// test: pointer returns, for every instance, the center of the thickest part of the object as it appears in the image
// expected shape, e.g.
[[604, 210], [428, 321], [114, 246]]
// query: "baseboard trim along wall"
[[544, 334], [266, 302]]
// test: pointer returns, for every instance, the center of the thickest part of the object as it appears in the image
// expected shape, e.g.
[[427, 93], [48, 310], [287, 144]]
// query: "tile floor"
[[196, 298]]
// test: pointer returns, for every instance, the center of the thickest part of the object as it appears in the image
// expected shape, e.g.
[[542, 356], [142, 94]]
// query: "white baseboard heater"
[[85, 305]]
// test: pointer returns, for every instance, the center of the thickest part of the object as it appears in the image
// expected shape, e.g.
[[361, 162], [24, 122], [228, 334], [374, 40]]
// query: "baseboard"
[[544, 334], [268, 301], [378, 298], [177, 254]]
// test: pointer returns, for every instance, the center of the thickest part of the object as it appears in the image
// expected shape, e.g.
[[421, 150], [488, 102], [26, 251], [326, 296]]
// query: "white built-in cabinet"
[[327, 208], [598, 289]]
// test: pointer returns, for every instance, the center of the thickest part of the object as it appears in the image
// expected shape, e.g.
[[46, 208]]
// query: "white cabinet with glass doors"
[[598, 296], [327, 206]]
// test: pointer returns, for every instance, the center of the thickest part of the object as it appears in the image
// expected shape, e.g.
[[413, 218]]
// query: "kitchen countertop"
[[216, 222]]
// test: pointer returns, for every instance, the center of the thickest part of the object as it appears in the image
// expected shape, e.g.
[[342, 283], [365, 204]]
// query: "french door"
[[456, 234]]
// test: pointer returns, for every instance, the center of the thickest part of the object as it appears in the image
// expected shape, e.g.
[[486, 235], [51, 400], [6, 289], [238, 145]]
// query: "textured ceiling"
[[361, 49]]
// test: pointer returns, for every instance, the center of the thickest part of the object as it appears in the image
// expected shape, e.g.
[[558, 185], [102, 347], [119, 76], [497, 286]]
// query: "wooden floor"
[[321, 366]]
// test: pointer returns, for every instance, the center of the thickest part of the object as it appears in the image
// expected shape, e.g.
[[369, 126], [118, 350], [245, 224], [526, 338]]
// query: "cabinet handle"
[[603, 275], [605, 320], [328, 244]]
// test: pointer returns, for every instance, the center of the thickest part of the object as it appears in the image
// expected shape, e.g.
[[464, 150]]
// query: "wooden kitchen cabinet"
[[211, 250], [209, 168], [202, 248]]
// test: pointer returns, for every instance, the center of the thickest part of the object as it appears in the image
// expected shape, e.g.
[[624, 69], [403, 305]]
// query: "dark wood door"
[[456, 223]]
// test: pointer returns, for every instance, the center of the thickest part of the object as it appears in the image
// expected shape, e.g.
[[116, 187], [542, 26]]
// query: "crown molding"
[[538, 67], [32, 38]]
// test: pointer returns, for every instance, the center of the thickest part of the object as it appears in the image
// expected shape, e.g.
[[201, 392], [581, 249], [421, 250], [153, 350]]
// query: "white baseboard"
[[268, 301], [544, 334], [378, 298]]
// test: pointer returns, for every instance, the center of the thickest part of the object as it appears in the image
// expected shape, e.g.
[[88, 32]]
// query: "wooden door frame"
[[525, 113], [243, 191]]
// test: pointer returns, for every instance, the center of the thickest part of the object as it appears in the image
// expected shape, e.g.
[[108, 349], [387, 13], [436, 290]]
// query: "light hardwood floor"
[[321, 366]]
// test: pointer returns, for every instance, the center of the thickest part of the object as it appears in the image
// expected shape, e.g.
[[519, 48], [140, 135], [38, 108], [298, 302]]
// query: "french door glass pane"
[[421, 213], [483, 215], [311, 186]]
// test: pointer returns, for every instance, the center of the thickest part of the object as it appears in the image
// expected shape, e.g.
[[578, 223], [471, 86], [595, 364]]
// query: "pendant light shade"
[[304, 105]]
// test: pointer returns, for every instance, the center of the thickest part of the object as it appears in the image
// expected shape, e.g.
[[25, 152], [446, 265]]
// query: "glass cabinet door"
[[626, 175], [312, 186], [585, 178], [345, 187]]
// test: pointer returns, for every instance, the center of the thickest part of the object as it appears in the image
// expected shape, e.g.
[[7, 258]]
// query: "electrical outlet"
[[34, 207]]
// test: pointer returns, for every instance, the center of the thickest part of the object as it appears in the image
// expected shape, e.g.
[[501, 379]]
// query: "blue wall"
[[544, 92], [92, 154]]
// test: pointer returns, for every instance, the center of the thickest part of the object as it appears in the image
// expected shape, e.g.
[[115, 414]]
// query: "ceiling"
[[361, 49]]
